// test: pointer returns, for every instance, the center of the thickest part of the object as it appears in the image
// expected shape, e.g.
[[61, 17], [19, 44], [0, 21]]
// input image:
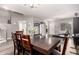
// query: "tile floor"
[[6, 48]]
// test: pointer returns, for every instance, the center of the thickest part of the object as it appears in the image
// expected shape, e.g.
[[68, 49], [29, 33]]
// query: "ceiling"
[[45, 10]]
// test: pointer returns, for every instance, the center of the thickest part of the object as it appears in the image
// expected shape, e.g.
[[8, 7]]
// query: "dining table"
[[45, 45]]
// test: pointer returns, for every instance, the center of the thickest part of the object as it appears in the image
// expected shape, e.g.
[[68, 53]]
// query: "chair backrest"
[[27, 43], [18, 37], [19, 32]]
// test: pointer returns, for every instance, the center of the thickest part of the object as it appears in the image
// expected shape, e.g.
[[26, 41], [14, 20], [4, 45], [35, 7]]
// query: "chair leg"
[[18, 52], [14, 51], [23, 51]]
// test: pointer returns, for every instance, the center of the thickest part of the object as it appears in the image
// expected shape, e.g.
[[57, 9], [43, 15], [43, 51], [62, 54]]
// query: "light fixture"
[[32, 5], [76, 14], [9, 20]]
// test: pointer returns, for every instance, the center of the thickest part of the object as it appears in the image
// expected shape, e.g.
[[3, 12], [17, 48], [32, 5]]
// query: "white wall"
[[54, 25], [58, 24], [8, 28], [51, 27]]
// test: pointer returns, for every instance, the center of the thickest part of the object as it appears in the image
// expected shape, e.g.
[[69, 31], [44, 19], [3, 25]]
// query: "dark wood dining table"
[[45, 45]]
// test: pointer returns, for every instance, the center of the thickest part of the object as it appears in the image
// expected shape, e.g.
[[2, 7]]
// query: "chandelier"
[[32, 5]]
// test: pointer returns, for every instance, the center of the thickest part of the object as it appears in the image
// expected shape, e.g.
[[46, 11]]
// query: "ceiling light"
[[32, 5]]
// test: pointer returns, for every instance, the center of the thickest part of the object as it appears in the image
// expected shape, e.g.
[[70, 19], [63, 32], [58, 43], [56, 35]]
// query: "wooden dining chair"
[[17, 43], [26, 44], [56, 52]]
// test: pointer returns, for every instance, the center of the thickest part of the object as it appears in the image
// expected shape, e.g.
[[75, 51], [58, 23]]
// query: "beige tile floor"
[[69, 49], [6, 48]]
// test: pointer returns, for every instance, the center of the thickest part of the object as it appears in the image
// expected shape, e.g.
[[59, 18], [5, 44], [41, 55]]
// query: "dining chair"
[[17, 43], [56, 52], [26, 44]]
